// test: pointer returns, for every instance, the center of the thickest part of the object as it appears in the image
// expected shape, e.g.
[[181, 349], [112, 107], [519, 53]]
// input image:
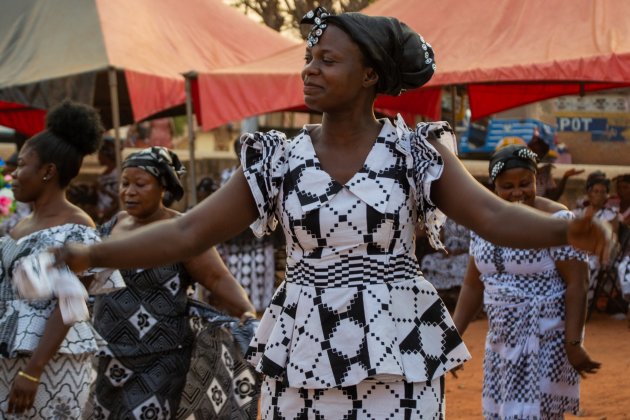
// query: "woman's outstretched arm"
[[466, 201], [210, 271], [219, 217]]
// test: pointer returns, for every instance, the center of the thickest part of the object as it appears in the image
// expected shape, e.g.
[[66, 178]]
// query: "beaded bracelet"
[[27, 376]]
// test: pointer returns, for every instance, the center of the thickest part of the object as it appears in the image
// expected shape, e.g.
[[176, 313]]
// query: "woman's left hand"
[[592, 235], [22, 395], [580, 360], [247, 316]]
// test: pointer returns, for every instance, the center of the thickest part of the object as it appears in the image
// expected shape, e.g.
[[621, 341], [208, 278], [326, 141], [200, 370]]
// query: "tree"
[[282, 15]]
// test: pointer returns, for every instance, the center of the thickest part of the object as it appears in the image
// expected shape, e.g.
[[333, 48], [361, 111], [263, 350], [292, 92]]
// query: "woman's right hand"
[[589, 234], [74, 255], [22, 395], [580, 360]]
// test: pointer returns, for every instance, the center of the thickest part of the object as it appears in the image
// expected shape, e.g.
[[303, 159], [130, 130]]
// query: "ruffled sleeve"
[[427, 168], [566, 252], [264, 165]]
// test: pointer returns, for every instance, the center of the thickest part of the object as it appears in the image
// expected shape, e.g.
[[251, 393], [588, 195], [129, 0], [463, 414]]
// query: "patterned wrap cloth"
[[526, 370]]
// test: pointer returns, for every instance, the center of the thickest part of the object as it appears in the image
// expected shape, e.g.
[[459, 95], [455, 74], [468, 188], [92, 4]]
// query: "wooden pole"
[[113, 95], [192, 179]]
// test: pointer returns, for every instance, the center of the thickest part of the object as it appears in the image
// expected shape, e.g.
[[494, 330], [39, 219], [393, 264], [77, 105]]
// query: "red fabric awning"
[[28, 121], [488, 99], [53, 50], [514, 52], [535, 49]]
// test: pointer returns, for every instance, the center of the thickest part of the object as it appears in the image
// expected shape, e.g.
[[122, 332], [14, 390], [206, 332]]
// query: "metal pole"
[[113, 95], [192, 183]]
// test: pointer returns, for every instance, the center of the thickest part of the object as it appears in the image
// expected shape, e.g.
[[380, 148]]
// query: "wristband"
[[27, 376], [573, 342], [248, 315]]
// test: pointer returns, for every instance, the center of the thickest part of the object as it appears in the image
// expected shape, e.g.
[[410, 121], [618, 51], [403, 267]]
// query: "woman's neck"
[[160, 213], [49, 204], [347, 129]]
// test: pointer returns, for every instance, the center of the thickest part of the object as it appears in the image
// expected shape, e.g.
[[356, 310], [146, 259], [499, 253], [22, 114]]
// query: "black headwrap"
[[162, 164], [511, 157], [597, 177], [400, 56]]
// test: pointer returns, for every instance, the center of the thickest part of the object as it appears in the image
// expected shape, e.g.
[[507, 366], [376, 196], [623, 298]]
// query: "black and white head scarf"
[[511, 157], [163, 164], [401, 57]]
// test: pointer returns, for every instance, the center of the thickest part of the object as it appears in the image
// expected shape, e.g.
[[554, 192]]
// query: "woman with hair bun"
[[45, 365]]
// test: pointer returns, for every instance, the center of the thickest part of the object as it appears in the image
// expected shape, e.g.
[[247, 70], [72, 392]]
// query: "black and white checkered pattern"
[[354, 304], [367, 400], [526, 371]]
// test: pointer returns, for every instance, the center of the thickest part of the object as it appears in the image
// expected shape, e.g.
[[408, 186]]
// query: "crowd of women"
[[354, 330]]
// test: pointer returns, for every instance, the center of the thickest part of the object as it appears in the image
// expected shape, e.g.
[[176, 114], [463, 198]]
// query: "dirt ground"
[[604, 396]]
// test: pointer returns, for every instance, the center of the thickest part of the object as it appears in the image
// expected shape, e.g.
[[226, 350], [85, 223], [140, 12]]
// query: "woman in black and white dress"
[[535, 300], [354, 331]]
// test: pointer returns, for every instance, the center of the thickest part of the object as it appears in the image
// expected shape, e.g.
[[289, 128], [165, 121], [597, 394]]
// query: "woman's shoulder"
[[79, 217], [549, 206]]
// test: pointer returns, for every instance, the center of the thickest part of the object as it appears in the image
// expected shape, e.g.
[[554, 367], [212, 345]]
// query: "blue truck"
[[479, 141]]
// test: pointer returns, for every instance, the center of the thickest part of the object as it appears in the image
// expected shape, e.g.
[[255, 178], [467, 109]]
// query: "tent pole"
[[192, 183], [453, 112], [113, 95]]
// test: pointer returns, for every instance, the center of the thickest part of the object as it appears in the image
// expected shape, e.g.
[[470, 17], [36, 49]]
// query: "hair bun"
[[77, 124]]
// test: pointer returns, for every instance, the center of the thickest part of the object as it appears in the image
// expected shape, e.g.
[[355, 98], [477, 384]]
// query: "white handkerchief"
[[35, 277]]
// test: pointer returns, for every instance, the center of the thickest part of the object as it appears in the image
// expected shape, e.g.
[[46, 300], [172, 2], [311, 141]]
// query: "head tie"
[[163, 164], [511, 157], [402, 59]]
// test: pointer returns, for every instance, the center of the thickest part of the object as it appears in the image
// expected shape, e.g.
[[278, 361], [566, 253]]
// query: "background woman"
[[536, 305], [445, 270], [597, 190], [45, 366], [107, 182], [146, 325], [354, 330]]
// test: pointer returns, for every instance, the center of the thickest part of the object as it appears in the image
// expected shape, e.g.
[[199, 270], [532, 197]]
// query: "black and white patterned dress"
[[446, 271], [151, 361], [354, 331], [66, 379], [526, 371]]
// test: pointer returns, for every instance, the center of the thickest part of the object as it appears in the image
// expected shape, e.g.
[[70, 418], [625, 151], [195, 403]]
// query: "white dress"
[[354, 330], [66, 378], [526, 371]]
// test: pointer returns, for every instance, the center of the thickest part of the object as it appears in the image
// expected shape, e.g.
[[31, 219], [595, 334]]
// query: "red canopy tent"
[[508, 52], [514, 52], [69, 48]]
